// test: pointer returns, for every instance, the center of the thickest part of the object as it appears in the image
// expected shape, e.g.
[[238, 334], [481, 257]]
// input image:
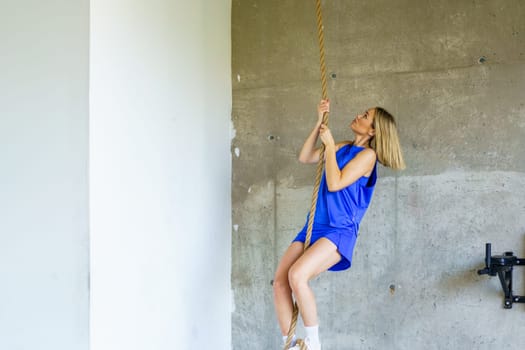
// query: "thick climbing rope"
[[320, 166]]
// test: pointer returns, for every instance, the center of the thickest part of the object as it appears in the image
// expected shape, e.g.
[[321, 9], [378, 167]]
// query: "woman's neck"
[[362, 141]]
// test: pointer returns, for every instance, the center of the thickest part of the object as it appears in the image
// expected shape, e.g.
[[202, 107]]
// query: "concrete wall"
[[453, 73], [44, 246], [160, 172]]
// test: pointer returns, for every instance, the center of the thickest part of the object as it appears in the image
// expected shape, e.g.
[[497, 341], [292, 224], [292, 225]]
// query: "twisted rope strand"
[[319, 174]]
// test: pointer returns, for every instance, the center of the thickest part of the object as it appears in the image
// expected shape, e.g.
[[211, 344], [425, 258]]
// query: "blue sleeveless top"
[[346, 207]]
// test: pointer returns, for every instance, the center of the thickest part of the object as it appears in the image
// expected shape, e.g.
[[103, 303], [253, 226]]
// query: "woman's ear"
[[372, 132]]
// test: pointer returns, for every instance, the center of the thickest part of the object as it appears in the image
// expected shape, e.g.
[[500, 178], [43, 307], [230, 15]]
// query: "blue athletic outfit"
[[338, 214]]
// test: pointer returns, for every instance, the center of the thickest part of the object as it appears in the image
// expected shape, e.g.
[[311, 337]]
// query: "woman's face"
[[363, 123]]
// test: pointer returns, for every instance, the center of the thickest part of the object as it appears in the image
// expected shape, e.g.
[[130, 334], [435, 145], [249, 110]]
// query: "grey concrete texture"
[[453, 74]]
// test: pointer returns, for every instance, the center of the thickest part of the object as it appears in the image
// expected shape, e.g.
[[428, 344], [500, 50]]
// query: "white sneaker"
[[309, 345], [292, 345]]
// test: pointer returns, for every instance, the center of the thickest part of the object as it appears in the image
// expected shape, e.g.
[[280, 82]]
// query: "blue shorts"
[[343, 237]]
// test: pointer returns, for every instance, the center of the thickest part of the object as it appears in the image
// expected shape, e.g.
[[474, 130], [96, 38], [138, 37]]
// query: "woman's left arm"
[[337, 179]]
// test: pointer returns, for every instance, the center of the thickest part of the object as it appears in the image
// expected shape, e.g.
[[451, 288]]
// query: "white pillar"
[[160, 104]]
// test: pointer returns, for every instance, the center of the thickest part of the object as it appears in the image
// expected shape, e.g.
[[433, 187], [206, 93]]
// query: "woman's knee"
[[297, 278], [280, 282]]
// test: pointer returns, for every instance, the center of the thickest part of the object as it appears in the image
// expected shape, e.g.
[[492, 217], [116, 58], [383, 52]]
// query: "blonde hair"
[[386, 140]]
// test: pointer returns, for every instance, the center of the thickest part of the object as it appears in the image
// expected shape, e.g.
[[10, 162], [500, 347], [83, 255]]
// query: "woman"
[[344, 195]]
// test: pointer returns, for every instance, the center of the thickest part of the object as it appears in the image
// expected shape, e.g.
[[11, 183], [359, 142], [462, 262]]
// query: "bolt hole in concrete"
[[482, 60], [333, 75], [392, 288]]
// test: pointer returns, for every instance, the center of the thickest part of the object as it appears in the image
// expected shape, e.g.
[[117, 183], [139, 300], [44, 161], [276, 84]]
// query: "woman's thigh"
[[290, 256], [318, 258]]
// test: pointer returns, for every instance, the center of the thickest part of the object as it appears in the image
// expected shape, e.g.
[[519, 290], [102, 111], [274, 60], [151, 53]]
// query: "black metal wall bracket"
[[502, 266]]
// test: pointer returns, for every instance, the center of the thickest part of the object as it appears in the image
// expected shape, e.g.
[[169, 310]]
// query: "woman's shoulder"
[[367, 155]]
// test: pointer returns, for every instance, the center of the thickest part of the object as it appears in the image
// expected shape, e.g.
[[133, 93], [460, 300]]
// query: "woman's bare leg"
[[318, 258], [282, 293]]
